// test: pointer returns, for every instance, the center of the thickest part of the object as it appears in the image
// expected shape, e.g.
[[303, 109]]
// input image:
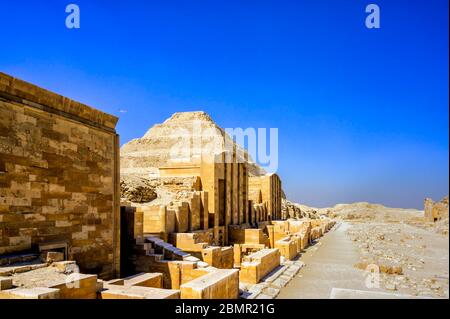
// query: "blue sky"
[[362, 114]]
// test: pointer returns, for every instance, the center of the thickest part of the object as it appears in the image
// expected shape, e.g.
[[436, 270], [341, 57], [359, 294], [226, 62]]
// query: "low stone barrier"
[[259, 264], [218, 284], [288, 247]]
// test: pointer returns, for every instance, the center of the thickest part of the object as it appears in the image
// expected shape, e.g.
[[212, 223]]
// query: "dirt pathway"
[[329, 264]]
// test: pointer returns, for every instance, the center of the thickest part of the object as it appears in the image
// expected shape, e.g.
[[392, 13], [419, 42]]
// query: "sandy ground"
[[421, 254], [423, 257]]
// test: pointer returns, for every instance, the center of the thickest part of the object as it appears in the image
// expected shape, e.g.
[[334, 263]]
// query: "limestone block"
[[219, 257], [254, 236], [138, 230], [316, 223], [434, 211], [316, 232], [170, 221], [271, 235], [34, 293], [305, 239], [67, 266], [154, 280], [190, 272], [287, 247], [195, 211], [294, 226], [181, 218], [237, 255], [158, 220], [212, 256], [118, 282], [298, 242], [227, 258], [5, 283], [137, 292], [62, 171], [218, 284], [204, 224], [241, 234], [191, 242], [258, 265], [77, 286]]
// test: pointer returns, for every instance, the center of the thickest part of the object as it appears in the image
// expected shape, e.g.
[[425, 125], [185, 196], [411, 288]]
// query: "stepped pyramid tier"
[[189, 175], [186, 137]]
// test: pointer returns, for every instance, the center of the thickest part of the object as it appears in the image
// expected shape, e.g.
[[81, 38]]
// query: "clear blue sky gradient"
[[362, 114]]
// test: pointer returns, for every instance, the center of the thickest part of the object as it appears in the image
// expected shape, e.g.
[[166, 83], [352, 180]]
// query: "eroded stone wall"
[[58, 176], [434, 211]]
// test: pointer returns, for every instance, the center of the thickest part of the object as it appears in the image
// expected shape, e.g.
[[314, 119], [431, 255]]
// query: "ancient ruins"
[[436, 211], [74, 223], [180, 213]]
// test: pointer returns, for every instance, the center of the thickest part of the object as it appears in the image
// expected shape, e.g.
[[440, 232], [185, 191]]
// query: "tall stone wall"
[[59, 177], [266, 189]]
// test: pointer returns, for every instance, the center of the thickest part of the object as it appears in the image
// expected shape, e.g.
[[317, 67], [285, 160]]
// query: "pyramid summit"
[[190, 115], [183, 137]]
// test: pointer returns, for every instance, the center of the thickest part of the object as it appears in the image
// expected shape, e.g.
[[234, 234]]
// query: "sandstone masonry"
[[59, 177]]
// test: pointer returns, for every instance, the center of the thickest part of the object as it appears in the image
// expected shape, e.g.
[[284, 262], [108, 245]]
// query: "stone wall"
[[219, 257], [434, 211], [288, 247], [58, 176], [266, 190], [192, 242], [240, 234]]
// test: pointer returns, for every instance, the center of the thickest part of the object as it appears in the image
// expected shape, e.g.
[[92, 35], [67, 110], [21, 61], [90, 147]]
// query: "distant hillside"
[[364, 210]]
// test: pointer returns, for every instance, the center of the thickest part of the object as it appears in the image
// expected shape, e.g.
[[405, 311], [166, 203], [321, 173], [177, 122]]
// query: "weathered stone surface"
[[137, 190], [287, 247], [32, 293], [66, 267], [219, 257], [258, 265], [136, 292], [154, 280], [59, 176], [219, 284], [436, 211], [51, 256], [77, 286]]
